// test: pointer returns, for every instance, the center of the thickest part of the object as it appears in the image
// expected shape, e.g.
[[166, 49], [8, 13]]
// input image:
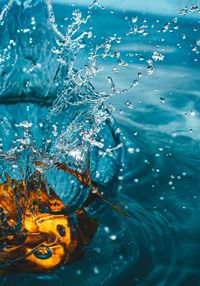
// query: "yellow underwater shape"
[[39, 241]]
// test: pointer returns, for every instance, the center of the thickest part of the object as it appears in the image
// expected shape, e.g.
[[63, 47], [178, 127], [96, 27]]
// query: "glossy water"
[[159, 123]]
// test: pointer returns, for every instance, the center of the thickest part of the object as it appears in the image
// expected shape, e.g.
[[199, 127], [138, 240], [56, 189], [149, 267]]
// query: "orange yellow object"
[[36, 234]]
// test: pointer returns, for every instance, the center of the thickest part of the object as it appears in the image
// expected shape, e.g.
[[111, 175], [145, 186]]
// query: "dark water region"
[[159, 125]]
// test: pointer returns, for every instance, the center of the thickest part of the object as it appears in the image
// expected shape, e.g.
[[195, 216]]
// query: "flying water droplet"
[[129, 104], [157, 56], [134, 19], [150, 70]]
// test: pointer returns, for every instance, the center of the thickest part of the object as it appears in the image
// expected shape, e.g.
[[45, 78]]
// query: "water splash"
[[38, 63]]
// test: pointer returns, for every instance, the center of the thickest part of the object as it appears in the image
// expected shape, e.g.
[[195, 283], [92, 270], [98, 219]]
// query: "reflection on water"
[[157, 120]]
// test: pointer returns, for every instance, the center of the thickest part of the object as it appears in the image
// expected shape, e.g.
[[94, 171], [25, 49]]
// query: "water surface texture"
[[123, 76]]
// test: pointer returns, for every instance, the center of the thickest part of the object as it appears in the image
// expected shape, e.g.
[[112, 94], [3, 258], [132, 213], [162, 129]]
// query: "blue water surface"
[[159, 124]]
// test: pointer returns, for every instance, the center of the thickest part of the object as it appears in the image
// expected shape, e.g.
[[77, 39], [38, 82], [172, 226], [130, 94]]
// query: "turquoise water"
[[153, 129]]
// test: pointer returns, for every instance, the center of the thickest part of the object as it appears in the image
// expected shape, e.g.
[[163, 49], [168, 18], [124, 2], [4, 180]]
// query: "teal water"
[[153, 172]]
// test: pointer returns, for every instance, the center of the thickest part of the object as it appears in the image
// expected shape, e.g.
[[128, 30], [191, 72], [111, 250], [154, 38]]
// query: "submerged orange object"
[[36, 234]]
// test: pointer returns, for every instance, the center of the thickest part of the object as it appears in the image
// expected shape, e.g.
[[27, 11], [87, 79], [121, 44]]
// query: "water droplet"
[[113, 237], [96, 270], [183, 11], [162, 99], [107, 230], [134, 19], [150, 70], [78, 272], [89, 35], [184, 37], [141, 58], [198, 42], [194, 8], [131, 150], [157, 56], [120, 178], [129, 104], [115, 70], [166, 27]]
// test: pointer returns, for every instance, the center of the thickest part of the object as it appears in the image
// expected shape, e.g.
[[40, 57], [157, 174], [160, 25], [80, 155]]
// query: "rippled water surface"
[[149, 79]]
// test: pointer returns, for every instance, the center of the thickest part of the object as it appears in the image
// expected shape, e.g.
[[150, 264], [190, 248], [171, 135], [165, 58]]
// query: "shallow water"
[[158, 121]]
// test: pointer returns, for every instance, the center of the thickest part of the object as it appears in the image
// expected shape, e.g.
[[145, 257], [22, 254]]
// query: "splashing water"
[[58, 111], [61, 83]]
